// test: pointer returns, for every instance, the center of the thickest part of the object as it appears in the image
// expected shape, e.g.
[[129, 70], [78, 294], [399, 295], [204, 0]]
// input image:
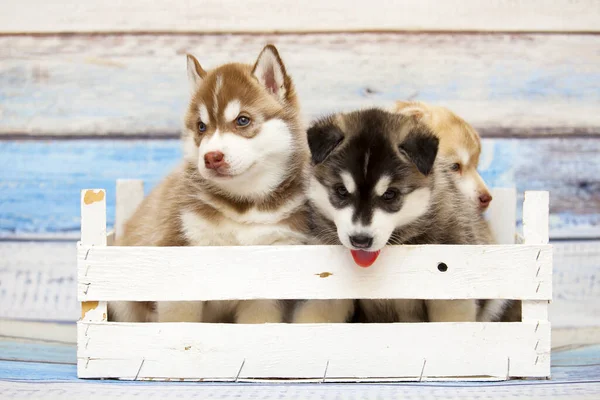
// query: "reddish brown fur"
[[157, 221]]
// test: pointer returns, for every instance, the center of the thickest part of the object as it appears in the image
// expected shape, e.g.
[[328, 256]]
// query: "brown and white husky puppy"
[[459, 143], [376, 181], [241, 182]]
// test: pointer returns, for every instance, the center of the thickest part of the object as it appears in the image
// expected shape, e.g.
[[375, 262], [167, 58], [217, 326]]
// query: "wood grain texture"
[[311, 15], [38, 282], [130, 193], [313, 272], [581, 389], [50, 332], [93, 236], [501, 214], [313, 351], [574, 376], [12, 349], [504, 84], [535, 231], [42, 198]]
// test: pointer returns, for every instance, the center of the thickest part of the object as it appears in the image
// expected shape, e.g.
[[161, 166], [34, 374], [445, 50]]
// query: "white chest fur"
[[201, 231]]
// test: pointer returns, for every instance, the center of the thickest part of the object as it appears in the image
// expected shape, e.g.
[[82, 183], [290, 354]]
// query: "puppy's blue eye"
[[389, 195], [341, 191], [242, 121], [455, 167], [201, 126]]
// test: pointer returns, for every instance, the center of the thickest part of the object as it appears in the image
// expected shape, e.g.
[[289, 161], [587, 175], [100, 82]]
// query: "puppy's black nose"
[[361, 241]]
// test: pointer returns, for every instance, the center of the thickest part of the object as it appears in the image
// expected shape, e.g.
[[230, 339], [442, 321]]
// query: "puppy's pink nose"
[[214, 160], [484, 200]]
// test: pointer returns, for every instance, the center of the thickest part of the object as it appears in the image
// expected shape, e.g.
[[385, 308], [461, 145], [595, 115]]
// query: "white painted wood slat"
[[52, 294], [93, 234], [312, 272], [313, 351], [535, 231], [130, 193], [502, 214], [291, 16]]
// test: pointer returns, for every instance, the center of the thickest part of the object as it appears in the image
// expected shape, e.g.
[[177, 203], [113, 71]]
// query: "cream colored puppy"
[[459, 142]]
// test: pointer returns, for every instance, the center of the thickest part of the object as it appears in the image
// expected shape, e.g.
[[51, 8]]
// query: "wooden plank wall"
[[92, 92]]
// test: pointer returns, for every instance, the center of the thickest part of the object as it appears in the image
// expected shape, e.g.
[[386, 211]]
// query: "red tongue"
[[364, 258]]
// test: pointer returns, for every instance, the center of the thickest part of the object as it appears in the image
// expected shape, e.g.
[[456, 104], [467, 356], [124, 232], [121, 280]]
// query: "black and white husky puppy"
[[376, 181]]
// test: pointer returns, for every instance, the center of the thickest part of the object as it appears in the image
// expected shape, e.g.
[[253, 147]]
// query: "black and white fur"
[[375, 176]]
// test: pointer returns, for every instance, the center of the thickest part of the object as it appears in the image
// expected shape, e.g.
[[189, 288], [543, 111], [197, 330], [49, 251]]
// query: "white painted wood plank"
[[130, 193], [51, 269], [38, 331], [93, 234], [576, 295], [310, 15], [502, 215], [217, 351], [565, 338], [93, 217], [535, 231], [488, 79], [38, 281], [312, 272], [535, 217]]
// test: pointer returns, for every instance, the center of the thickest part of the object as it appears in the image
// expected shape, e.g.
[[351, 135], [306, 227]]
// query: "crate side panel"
[[313, 351], [313, 272]]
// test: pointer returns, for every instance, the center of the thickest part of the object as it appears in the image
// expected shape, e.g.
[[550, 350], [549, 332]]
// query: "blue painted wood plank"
[[567, 379], [40, 180], [12, 350]]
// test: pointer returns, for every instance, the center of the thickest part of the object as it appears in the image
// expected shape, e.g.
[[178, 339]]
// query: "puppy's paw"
[[323, 311], [259, 312], [452, 310]]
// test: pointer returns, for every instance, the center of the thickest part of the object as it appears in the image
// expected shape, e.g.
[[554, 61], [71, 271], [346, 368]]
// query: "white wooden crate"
[[314, 352]]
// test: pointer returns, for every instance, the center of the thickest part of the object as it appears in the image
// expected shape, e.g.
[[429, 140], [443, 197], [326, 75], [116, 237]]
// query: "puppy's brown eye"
[[389, 195], [455, 167], [242, 121], [341, 191], [201, 126]]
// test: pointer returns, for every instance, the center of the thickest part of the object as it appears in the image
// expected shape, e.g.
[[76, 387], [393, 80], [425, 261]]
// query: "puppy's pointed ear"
[[322, 140], [412, 109], [195, 73], [421, 147], [270, 72]]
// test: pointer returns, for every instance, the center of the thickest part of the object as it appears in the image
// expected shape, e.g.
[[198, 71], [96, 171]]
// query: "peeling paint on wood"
[[38, 282], [504, 84], [92, 196]]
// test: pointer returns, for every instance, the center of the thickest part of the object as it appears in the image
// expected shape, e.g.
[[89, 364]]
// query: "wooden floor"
[[47, 369]]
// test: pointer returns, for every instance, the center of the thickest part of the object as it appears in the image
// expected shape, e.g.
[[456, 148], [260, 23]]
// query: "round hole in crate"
[[442, 267]]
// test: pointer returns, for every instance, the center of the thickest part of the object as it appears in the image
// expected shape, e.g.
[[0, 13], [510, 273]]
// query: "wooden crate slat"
[[93, 236], [312, 272], [130, 193], [52, 267], [348, 351], [535, 231]]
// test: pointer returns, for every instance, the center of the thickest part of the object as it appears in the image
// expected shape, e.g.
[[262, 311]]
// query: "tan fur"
[[187, 208], [457, 140]]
